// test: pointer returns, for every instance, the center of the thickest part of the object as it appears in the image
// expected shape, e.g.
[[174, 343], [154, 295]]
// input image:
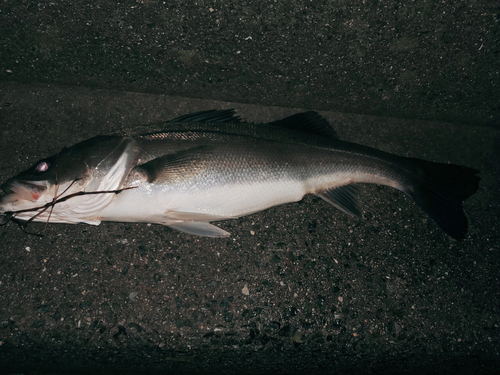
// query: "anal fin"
[[344, 198]]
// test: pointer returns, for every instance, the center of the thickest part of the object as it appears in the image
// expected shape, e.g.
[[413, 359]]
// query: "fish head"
[[44, 181], [77, 169]]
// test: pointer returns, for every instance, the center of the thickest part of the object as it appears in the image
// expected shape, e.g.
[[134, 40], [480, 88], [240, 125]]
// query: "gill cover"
[[100, 163]]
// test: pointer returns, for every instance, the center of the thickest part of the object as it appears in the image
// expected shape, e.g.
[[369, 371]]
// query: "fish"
[[211, 166]]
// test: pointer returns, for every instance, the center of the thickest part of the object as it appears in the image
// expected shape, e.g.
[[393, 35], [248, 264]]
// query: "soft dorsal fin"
[[310, 122], [213, 115]]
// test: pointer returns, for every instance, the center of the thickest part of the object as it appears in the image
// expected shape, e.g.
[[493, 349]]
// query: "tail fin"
[[439, 190]]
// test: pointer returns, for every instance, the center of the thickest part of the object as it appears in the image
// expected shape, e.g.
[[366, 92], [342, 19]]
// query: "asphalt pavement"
[[300, 288]]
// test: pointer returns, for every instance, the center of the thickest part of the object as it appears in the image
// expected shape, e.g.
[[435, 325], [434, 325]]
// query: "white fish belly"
[[163, 205]]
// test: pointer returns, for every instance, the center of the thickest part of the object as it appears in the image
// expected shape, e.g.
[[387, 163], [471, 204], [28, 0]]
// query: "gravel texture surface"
[[427, 59], [301, 288]]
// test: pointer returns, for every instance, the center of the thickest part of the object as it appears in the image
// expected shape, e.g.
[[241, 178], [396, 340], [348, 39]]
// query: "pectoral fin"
[[198, 228], [178, 166]]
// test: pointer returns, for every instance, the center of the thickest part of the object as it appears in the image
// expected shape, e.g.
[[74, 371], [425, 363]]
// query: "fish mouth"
[[15, 190]]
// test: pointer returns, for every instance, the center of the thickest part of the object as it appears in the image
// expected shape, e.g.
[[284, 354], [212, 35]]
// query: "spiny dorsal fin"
[[213, 115], [310, 122]]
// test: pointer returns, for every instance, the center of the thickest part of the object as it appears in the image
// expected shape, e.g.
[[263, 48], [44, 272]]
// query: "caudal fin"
[[439, 190]]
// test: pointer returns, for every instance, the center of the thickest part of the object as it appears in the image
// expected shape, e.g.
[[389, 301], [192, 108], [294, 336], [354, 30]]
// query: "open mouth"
[[15, 190]]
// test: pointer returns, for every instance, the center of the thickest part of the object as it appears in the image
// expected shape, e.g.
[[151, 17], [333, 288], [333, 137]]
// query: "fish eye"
[[42, 167]]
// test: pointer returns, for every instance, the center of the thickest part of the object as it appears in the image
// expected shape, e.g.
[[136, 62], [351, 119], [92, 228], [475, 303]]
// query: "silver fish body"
[[186, 178]]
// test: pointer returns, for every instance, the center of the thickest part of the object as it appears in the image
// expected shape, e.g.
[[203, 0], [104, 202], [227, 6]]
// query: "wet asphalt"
[[301, 288]]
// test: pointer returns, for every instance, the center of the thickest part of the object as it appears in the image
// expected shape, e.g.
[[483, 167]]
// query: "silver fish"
[[209, 166]]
